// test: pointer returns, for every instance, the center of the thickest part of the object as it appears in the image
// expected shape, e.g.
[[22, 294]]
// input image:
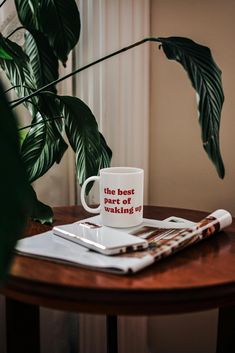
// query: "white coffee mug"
[[121, 196]]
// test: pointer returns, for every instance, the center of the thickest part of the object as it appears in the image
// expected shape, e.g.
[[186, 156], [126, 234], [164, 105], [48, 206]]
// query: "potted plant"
[[52, 29]]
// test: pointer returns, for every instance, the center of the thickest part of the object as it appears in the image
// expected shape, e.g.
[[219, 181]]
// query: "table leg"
[[111, 329], [226, 330], [22, 327]]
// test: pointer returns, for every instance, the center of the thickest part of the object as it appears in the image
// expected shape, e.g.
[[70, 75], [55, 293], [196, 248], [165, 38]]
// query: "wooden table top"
[[197, 278]]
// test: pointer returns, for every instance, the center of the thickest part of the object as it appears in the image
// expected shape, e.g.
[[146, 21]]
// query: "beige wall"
[[181, 175]]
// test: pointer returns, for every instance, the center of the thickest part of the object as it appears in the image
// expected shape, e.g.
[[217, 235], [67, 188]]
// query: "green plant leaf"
[[60, 23], [28, 13], [14, 51], [58, 20], [42, 147], [18, 72], [14, 188], [39, 211], [106, 153], [4, 54], [205, 77], [10, 50], [44, 64], [49, 105], [21, 135], [83, 135]]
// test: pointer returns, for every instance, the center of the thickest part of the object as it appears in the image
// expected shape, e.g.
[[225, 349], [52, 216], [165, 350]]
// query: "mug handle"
[[83, 189]]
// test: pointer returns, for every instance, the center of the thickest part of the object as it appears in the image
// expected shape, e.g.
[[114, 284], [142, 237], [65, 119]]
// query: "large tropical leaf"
[[28, 13], [15, 52], [13, 186], [22, 133], [18, 71], [82, 131], [44, 64], [38, 210], [49, 105], [4, 54], [42, 147], [60, 22], [33, 145], [12, 50], [106, 153], [4, 50], [205, 77]]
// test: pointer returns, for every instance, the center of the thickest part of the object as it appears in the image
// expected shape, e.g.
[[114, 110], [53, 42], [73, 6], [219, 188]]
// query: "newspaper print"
[[164, 242]]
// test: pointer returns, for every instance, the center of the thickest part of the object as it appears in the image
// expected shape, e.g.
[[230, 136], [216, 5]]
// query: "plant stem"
[[15, 30], [9, 89], [40, 122], [14, 101], [13, 87], [2, 3], [83, 68]]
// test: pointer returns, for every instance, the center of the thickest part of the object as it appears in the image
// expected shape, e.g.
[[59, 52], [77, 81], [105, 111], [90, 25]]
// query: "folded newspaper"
[[164, 237]]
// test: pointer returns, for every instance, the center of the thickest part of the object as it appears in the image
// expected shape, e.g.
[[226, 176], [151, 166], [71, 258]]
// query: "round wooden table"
[[198, 278]]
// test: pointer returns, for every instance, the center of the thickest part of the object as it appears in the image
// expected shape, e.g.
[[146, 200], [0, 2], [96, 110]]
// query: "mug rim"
[[121, 170]]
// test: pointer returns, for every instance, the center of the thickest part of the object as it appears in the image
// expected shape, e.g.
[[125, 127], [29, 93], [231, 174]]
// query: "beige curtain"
[[58, 186], [117, 91]]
